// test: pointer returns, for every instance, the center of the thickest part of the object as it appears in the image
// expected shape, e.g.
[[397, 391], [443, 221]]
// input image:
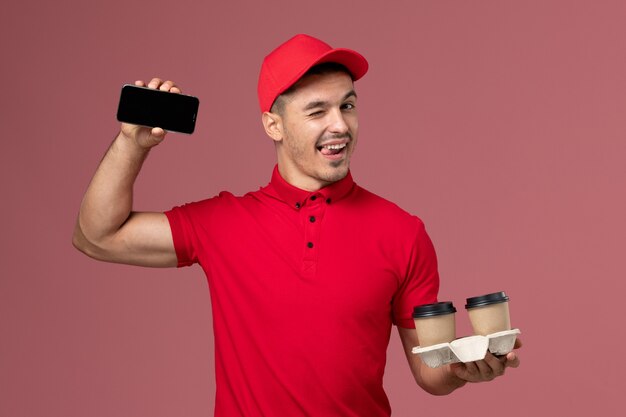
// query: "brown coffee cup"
[[489, 313], [435, 323]]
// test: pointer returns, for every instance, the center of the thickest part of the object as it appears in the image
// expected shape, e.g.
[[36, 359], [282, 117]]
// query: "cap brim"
[[354, 62]]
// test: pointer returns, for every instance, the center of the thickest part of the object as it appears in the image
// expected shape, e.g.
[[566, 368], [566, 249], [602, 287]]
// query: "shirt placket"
[[313, 214]]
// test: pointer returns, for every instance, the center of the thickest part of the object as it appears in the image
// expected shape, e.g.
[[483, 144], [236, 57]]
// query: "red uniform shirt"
[[304, 289]]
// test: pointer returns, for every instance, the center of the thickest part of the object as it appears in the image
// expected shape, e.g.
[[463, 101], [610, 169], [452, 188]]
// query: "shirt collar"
[[297, 198]]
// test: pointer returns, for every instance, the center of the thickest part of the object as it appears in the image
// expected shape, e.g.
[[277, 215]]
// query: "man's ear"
[[273, 125]]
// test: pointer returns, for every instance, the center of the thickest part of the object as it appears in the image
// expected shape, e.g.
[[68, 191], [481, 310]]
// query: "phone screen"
[[154, 108]]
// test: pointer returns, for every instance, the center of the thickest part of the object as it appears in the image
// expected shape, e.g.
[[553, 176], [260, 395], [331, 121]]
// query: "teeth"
[[335, 147]]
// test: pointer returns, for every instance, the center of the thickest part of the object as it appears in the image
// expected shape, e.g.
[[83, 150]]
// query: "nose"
[[337, 122]]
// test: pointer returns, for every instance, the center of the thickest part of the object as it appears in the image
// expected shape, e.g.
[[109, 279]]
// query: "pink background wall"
[[500, 123]]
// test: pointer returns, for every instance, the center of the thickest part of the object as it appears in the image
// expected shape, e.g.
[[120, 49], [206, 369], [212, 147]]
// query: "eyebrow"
[[321, 103]]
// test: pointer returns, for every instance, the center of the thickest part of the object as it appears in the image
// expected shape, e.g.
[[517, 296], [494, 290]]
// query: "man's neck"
[[302, 182]]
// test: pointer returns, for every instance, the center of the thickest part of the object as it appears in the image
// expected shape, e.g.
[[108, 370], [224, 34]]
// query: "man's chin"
[[336, 173]]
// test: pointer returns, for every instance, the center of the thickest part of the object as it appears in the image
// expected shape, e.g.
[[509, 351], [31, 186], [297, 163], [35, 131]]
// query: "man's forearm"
[[439, 381], [436, 381], [109, 197]]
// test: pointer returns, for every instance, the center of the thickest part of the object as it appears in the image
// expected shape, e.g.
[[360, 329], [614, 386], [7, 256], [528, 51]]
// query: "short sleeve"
[[185, 239], [421, 283]]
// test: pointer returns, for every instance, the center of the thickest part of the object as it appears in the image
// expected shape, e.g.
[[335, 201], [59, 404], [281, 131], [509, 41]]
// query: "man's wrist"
[[129, 147]]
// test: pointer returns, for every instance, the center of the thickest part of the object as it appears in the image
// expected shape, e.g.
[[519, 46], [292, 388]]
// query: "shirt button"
[[310, 244], [313, 198], [328, 201], [297, 205], [312, 219]]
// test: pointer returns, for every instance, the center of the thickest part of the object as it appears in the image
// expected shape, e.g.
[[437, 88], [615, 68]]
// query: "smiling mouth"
[[332, 150]]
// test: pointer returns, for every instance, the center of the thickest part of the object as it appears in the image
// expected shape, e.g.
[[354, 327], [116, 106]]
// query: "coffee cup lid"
[[484, 300], [435, 309]]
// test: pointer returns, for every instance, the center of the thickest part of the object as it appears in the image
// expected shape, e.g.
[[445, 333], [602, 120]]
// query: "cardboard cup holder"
[[467, 349]]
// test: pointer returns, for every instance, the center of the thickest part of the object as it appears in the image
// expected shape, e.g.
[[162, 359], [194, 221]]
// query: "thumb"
[[156, 136]]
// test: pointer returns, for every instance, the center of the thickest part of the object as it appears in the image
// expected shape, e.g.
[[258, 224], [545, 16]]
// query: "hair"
[[324, 68]]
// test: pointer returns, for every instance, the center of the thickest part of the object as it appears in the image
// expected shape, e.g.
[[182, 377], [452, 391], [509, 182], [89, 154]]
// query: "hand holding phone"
[[159, 105]]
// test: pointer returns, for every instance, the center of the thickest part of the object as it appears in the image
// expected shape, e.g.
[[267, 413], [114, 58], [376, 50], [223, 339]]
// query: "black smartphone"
[[154, 108]]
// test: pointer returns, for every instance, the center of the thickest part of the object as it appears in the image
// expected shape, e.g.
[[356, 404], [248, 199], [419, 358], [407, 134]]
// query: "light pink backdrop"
[[501, 123]]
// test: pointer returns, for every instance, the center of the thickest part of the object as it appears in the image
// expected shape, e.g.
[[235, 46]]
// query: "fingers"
[[486, 373], [484, 370], [512, 360], [466, 371], [494, 367], [159, 84], [169, 86], [487, 369], [158, 133], [155, 83]]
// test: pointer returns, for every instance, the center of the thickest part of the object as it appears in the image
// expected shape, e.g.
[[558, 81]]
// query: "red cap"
[[291, 60]]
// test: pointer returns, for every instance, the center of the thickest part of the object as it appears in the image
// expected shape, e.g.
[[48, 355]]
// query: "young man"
[[308, 274]]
